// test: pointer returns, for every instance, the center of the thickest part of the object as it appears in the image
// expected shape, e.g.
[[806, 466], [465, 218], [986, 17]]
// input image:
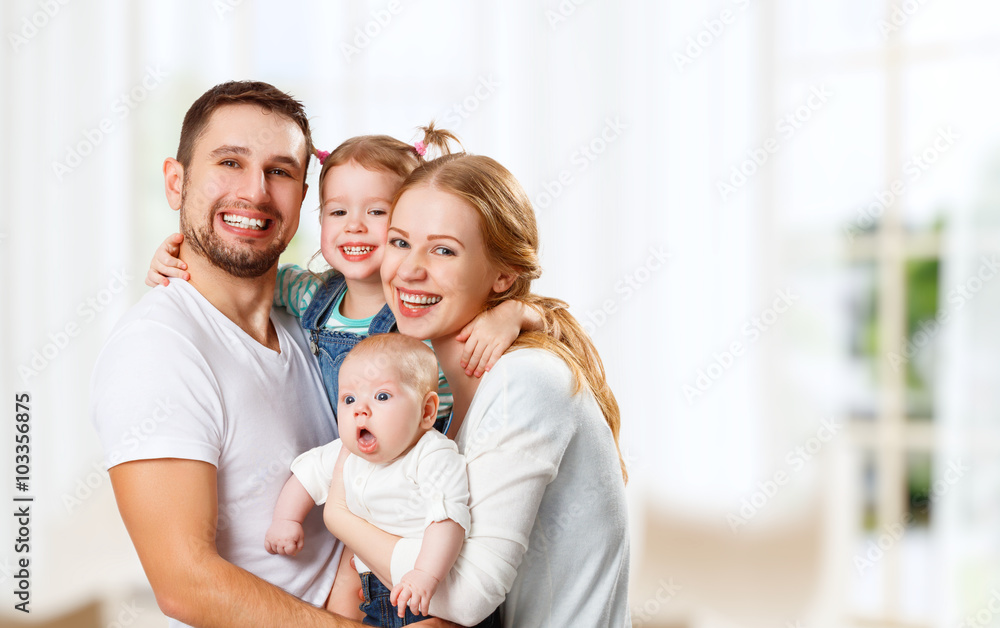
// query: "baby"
[[401, 475]]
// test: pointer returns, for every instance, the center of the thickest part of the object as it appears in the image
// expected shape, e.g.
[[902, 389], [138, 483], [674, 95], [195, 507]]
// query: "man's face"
[[243, 190]]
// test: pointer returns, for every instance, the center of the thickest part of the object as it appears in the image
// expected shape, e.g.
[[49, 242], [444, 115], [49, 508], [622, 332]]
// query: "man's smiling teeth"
[[418, 299], [357, 250], [244, 222]]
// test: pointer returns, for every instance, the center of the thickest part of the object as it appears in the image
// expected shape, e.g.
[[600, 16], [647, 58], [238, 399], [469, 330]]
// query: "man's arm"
[[170, 508]]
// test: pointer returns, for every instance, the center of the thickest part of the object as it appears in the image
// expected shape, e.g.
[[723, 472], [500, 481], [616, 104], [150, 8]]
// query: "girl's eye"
[[337, 212], [443, 250], [348, 399], [399, 243], [382, 396], [377, 211]]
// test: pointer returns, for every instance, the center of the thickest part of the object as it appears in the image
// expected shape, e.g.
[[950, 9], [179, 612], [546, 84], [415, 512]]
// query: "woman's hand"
[[166, 263], [336, 499]]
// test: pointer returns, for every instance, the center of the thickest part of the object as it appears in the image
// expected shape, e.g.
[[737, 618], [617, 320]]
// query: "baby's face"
[[354, 219], [379, 418]]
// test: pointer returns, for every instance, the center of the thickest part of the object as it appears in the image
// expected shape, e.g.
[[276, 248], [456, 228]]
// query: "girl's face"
[[435, 272], [354, 218]]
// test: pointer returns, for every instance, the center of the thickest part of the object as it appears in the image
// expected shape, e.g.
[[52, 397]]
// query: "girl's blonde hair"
[[510, 236], [382, 153]]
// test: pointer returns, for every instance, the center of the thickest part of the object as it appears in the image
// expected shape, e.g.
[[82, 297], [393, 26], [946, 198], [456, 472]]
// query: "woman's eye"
[[399, 243], [443, 250], [382, 396], [348, 399]]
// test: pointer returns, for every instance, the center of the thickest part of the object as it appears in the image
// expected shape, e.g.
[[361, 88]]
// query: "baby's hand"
[[284, 537], [414, 589], [165, 263]]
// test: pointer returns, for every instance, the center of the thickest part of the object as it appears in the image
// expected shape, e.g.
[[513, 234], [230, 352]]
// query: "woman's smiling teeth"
[[413, 300], [243, 222]]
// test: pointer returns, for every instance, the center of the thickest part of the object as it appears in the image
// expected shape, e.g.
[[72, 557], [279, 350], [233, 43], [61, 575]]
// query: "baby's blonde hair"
[[413, 360]]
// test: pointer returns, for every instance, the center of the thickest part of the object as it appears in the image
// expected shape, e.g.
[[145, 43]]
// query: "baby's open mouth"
[[366, 441]]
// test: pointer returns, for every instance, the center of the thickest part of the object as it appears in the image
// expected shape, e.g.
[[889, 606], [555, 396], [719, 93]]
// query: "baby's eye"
[[383, 396], [377, 211], [348, 399], [337, 212]]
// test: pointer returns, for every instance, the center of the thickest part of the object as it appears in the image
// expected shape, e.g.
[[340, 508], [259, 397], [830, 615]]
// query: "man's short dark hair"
[[267, 96]]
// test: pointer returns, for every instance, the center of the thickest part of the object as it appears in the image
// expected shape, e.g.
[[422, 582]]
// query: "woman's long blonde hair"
[[510, 235]]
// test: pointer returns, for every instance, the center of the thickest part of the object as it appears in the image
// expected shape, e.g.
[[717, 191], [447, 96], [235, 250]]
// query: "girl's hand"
[[166, 263], [491, 333]]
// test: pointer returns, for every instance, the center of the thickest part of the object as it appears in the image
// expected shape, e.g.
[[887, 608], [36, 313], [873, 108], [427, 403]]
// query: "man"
[[203, 395]]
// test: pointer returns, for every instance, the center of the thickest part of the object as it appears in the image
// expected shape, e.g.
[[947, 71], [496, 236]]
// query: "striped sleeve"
[[445, 399], [296, 288]]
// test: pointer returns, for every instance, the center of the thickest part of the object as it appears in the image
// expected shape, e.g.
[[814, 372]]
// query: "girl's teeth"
[[418, 299], [243, 222], [358, 250]]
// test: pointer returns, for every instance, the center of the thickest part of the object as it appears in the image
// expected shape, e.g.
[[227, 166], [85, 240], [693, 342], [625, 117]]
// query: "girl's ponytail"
[[439, 139]]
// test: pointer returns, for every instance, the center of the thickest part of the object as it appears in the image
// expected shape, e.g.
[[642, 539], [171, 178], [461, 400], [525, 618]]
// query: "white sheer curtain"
[[621, 120]]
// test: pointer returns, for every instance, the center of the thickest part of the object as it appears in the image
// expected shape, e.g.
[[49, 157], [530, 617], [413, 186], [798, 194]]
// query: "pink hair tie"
[[421, 148], [322, 154]]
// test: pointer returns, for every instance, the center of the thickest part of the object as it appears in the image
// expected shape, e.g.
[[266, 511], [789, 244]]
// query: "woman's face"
[[435, 272]]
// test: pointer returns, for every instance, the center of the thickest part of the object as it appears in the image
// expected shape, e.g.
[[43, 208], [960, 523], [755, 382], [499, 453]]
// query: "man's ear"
[[430, 409], [173, 181]]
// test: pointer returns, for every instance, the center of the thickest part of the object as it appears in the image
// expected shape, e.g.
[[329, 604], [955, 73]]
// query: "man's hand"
[[284, 537], [437, 622]]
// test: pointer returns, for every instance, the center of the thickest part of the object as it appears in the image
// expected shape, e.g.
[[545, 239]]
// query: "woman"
[[549, 531]]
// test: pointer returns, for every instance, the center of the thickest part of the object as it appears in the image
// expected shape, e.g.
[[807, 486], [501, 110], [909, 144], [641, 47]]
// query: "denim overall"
[[331, 347], [379, 612]]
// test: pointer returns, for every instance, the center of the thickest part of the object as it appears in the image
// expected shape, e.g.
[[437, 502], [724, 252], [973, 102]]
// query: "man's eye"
[[279, 171], [348, 399], [383, 396], [232, 163]]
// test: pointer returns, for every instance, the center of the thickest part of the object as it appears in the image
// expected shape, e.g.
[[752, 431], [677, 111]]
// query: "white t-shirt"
[[547, 501], [402, 497], [178, 379]]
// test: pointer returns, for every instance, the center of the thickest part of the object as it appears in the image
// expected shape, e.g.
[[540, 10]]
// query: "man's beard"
[[238, 261]]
